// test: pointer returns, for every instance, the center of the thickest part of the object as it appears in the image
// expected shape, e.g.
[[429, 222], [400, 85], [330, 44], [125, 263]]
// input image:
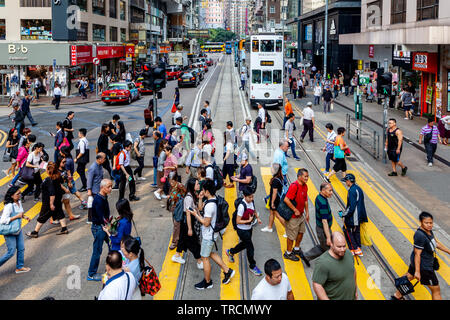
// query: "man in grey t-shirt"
[[139, 148], [289, 130]]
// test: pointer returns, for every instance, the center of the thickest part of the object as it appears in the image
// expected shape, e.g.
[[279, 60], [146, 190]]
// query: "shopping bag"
[[174, 108], [366, 240], [404, 285]]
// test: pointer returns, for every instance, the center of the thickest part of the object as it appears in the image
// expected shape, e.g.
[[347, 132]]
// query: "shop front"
[[24, 62], [430, 87], [110, 58], [373, 56], [80, 65]]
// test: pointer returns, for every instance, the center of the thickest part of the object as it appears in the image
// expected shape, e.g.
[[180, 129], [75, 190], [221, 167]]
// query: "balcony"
[[140, 4]]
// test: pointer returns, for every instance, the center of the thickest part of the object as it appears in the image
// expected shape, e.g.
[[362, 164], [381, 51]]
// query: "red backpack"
[[117, 159]]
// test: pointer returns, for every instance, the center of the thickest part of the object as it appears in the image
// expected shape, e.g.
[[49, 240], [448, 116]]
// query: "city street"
[[59, 263]]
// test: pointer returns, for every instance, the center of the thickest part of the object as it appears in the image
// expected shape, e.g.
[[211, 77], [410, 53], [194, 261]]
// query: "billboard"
[[192, 33]]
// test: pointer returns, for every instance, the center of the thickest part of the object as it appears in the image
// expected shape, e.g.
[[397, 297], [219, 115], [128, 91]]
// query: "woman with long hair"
[[13, 210], [160, 170], [33, 161], [13, 145], [177, 190], [276, 190], [68, 187], [176, 96], [124, 221], [102, 146], [121, 132], [188, 237], [339, 154], [135, 264], [51, 202]]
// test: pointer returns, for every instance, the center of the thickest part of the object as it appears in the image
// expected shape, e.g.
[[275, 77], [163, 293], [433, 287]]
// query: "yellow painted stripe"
[[232, 290], [364, 281], [391, 256], [4, 137], [294, 270], [168, 277]]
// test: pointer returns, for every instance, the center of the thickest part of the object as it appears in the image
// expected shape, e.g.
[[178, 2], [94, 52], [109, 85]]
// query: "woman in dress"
[[13, 145]]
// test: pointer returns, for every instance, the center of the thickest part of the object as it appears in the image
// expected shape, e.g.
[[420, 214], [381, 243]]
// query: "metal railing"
[[367, 138]]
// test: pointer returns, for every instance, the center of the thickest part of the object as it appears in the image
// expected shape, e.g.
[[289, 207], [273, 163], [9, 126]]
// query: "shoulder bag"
[[27, 173], [7, 155], [12, 228], [435, 260], [283, 209]]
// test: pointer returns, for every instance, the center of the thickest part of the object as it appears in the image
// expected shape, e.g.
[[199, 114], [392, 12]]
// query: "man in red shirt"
[[295, 227]]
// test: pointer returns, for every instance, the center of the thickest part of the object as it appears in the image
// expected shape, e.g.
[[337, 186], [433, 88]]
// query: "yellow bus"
[[213, 47]]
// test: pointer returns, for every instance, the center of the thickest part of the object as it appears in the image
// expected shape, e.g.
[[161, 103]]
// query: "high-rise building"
[[212, 14]]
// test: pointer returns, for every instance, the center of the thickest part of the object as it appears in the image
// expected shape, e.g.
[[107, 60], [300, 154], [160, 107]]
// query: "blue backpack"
[[178, 213]]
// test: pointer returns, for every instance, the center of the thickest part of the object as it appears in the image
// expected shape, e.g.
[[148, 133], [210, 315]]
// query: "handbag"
[[301, 121], [174, 107], [12, 228], [6, 155], [283, 208], [149, 282], [65, 143], [404, 285], [27, 173], [332, 106]]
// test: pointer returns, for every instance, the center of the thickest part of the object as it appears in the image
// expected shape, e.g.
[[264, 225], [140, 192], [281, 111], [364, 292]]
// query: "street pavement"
[[59, 263]]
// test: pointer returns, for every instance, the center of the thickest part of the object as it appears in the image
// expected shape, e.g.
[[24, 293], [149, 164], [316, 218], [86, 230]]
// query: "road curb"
[[61, 104]]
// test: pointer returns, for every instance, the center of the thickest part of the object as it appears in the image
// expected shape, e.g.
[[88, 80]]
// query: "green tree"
[[221, 35]]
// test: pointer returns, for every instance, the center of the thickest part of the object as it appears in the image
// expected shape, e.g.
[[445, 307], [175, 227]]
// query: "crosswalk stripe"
[[385, 248], [231, 291], [365, 283], [294, 270]]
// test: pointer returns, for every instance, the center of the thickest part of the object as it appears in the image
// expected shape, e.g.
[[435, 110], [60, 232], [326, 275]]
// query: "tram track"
[[373, 249]]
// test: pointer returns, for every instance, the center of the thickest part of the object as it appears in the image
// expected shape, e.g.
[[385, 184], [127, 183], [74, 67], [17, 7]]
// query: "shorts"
[[295, 226], [46, 213], [393, 156], [427, 277], [228, 170], [206, 248], [407, 108], [340, 165]]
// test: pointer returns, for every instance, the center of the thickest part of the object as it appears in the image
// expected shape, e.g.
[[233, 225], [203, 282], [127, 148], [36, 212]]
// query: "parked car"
[[173, 72], [139, 84], [121, 92], [199, 72], [188, 79], [201, 65]]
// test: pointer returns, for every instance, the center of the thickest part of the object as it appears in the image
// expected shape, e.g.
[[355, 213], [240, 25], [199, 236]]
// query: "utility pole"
[[325, 52]]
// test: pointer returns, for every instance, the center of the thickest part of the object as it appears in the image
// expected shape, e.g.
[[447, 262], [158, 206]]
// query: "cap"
[[350, 177], [244, 157], [309, 103], [248, 119]]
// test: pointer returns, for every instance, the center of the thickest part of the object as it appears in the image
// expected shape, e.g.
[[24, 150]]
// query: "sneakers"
[[358, 252], [405, 118], [141, 179], [392, 174], [89, 222], [266, 229], [23, 270], [115, 187], [157, 195], [95, 277], [32, 234], [256, 271], [430, 164], [134, 198], [230, 256], [298, 159], [404, 171], [178, 259], [164, 196], [204, 285], [83, 189], [285, 235], [74, 217], [200, 265], [228, 276], [290, 256], [83, 205]]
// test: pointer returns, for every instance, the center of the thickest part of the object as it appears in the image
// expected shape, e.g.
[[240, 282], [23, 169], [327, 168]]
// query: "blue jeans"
[[100, 236], [14, 243], [30, 117], [14, 180], [327, 161], [292, 145], [316, 100], [116, 176], [56, 155]]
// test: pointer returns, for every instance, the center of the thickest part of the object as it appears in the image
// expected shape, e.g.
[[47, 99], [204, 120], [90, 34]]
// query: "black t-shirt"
[[427, 244], [276, 184], [117, 147], [102, 143], [67, 124], [112, 127], [48, 190]]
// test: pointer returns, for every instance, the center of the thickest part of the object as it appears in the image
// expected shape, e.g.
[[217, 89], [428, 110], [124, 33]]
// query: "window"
[[279, 46], [267, 45], [123, 10], [2, 3], [82, 33], [256, 76], [123, 34], [98, 32], [267, 76], [113, 34], [82, 4], [255, 46], [98, 7], [398, 11], [36, 29], [32, 3], [113, 9], [2, 28], [277, 79], [272, 9], [427, 9]]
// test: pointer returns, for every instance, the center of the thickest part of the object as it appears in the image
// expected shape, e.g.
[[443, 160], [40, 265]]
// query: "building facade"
[[411, 38], [212, 14]]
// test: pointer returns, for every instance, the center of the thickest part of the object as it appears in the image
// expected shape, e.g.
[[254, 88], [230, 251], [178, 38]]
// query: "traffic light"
[[148, 76], [380, 72], [159, 77], [384, 83]]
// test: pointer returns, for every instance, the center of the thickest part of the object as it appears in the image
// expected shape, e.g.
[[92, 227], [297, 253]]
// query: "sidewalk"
[[411, 128], [65, 101]]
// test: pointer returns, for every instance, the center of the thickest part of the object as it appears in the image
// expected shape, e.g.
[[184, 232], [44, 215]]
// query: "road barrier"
[[367, 138]]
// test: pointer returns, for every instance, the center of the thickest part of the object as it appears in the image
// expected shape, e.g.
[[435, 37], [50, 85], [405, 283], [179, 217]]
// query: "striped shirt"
[[330, 146], [427, 129], [323, 211]]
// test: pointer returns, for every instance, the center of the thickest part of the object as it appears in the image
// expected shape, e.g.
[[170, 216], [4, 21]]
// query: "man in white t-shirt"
[[308, 122], [82, 158], [126, 173], [120, 284], [209, 237], [275, 285], [261, 126], [244, 133]]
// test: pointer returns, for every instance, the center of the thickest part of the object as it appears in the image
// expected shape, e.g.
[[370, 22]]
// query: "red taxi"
[[173, 72], [120, 92]]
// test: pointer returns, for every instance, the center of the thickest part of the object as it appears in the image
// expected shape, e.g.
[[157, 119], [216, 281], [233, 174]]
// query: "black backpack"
[[218, 176], [253, 184], [222, 216], [237, 202], [269, 118]]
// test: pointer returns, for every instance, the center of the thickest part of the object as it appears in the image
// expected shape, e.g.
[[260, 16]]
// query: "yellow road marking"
[[394, 260], [232, 290], [4, 137], [364, 281], [294, 270], [168, 276]]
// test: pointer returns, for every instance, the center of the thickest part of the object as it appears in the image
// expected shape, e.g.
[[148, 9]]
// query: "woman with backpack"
[[13, 145], [12, 211], [339, 154], [160, 170], [135, 262], [189, 236], [177, 191], [229, 160], [276, 191], [124, 221]]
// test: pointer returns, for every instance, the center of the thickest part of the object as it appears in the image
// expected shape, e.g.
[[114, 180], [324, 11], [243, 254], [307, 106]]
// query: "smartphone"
[[190, 209], [52, 134]]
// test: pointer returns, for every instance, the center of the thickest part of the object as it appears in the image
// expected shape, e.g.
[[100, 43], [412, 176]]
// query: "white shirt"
[[308, 113], [446, 121], [57, 91], [210, 212], [8, 212], [245, 131], [262, 115], [124, 162], [317, 91], [117, 288], [240, 213], [83, 144], [266, 291], [34, 160], [210, 173], [176, 115]]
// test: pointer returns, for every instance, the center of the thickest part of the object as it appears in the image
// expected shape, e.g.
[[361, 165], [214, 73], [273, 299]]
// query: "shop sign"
[[425, 61], [34, 54], [333, 27], [360, 64], [438, 94], [401, 59], [429, 97], [129, 50], [165, 49], [109, 52], [80, 55], [364, 79], [371, 51]]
